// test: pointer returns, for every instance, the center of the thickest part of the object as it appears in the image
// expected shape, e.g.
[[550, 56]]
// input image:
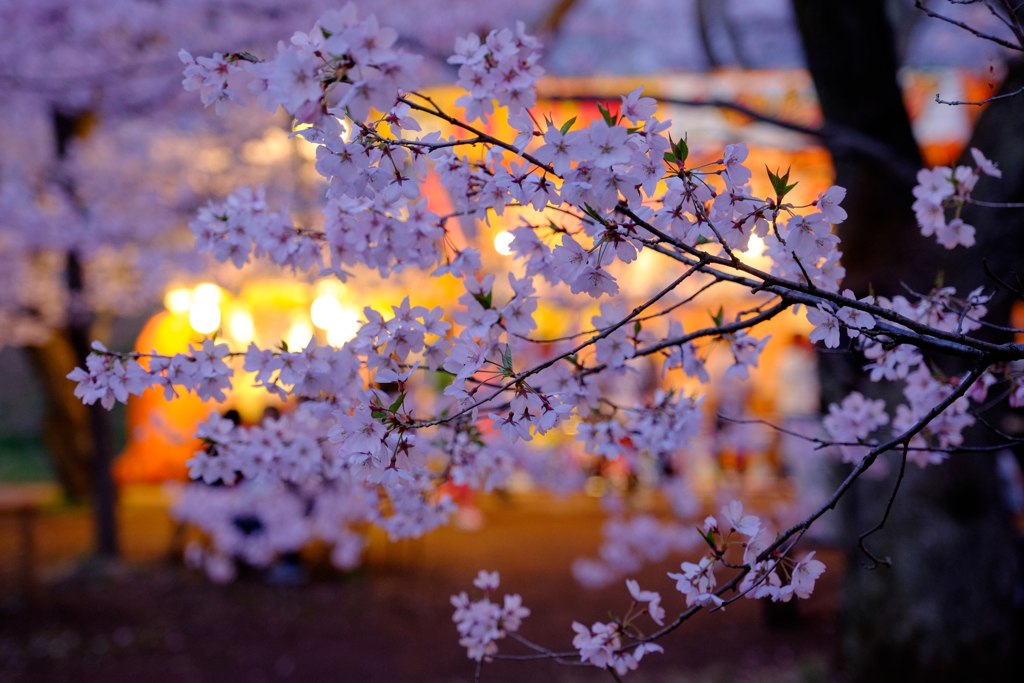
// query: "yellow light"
[[204, 316], [307, 150], [331, 288], [178, 301], [503, 242], [208, 293], [298, 335], [346, 326], [755, 247], [241, 328], [325, 311]]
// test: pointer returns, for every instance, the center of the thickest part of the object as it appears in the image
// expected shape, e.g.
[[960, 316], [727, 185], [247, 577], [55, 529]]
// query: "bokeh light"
[[178, 301], [299, 335], [241, 327], [345, 328], [326, 312], [503, 242], [204, 316]]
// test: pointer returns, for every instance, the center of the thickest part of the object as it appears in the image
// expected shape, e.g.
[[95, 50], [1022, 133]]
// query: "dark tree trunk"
[[78, 335], [943, 611], [104, 493], [66, 431]]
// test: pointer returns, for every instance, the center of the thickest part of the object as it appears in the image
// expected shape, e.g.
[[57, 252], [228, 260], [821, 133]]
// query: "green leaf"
[[709, 537], [701, 239], [567, 126], [397, 404], [681, 150], [636, 327], [606, 115], [507, 360], [485, 299], [780, 183], [378, 414], [670, 157], [718, 317], [589, 210]]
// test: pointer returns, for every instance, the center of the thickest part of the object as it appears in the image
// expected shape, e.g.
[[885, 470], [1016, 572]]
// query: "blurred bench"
[[22, 503]]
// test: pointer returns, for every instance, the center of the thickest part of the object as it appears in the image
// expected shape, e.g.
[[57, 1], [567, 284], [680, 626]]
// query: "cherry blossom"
[[482, 623]]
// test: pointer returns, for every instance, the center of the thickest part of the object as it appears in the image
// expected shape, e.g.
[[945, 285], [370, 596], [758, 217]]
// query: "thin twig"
[[887, 561], [971, 29], [1008, 287], [1004, 96], [997, 205]]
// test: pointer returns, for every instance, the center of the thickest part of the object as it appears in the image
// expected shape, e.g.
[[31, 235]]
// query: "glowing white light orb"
[[178, 301], [326, 312], [755, 247], [204, 316], [298, 335], [241, 328], [503, 243], [346, 326], [207, 292]]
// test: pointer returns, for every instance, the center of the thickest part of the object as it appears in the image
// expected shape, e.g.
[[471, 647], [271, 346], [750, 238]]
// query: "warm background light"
[[755, 247], [241, 327], [326, 312], [346, 326], [298, 335], [207, 292], [178, 301], [204, 317], [503, 242]]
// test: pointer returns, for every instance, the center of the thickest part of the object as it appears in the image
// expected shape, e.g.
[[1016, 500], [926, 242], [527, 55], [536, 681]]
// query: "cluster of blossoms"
[[601, 644], [111, 377], [697, 580], [942, 188], [289, 485], [828, 323], [209, 75], [856, 417], [503, 67], [923, 391], [229, 230], [854, 420], [259, 521], [421, 400], [481, 623]]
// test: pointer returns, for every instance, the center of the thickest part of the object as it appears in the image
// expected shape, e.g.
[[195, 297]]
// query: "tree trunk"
[[78, 333], [66, 429], [104, 493], [943, 610]]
